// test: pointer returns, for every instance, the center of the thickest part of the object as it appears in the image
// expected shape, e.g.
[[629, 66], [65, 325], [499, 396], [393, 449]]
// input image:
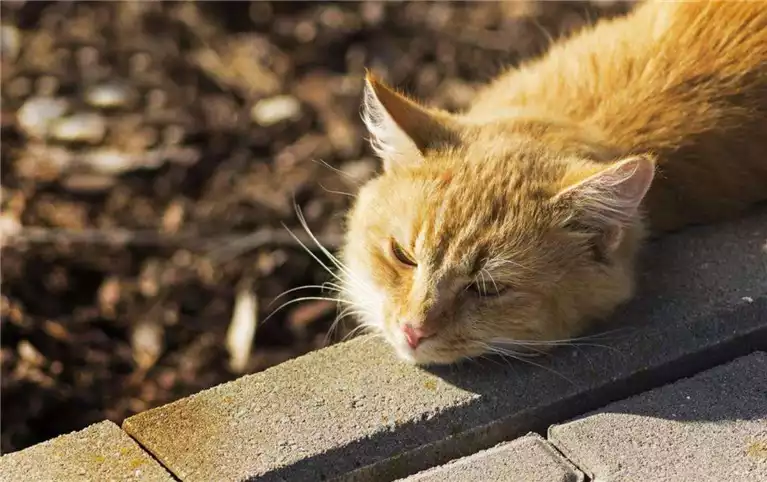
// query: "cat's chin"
[[424, 356], [418, 357], [421, 356]]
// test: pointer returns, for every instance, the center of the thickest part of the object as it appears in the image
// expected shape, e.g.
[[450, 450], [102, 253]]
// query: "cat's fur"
[[525, 213]]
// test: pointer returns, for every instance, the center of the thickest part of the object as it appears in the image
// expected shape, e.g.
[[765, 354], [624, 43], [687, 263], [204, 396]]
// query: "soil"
[[154, 157]]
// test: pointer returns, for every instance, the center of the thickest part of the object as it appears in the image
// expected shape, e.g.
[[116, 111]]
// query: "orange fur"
[[525, 213]]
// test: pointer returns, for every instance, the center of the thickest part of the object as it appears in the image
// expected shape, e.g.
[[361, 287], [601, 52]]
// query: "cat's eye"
[[487, 290], [401, 255]]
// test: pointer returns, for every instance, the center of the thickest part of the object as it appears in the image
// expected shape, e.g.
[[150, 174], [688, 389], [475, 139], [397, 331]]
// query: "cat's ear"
[[401, 130], [607, 201]]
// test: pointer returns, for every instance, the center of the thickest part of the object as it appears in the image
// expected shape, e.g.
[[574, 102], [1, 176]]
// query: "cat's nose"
[[415, 336]]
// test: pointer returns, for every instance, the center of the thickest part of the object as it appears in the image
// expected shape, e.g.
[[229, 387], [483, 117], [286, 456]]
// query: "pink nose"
[[414, 336]]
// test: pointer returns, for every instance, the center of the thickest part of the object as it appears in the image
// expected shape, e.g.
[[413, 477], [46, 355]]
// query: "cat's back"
[[709, 128], [667, 59], [686, 81]]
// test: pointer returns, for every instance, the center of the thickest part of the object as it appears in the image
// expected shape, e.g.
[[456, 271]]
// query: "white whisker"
[[522, 359], [497, 262], [331, 191], [338, 171], [532, 344], [325, 267], [350, 310], [305, 298], [491, 279], [335, 261], [305, 287], [355, 331]]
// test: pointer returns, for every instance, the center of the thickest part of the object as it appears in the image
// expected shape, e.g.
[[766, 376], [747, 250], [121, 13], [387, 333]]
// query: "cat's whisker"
[[484, 283], [480, 285], [592, 336], [498, 262], [342, 287], [506, 346], [360, 312], [505, 352], [342, 193], [348, 311], [354, 332], [332, 285], [524, 360], [304, 287], [566, 343], [334, 326], [544, 31], [572, 341], [324, 266], [305, 298], [490, 359], [337, 171], [335, 261], [532, 344], [491, 279]]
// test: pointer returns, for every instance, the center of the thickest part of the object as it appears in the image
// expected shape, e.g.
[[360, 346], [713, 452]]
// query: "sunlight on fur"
[[515, 224]]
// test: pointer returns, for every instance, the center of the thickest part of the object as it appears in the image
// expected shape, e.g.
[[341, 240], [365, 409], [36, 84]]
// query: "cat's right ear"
[[608, 200], [401, 131]]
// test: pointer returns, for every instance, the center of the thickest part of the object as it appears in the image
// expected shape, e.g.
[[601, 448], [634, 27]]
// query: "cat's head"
[[475, 239]]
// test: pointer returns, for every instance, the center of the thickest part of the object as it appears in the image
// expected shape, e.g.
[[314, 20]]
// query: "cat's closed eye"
[[487, 290], [401, 255]]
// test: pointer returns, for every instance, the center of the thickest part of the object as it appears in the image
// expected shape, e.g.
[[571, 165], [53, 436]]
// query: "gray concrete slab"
[[529, 459], [711, 427], [99, 453], [355, 411]]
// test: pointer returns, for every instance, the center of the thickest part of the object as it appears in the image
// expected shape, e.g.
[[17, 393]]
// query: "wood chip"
[[242, 329], [147, 341]]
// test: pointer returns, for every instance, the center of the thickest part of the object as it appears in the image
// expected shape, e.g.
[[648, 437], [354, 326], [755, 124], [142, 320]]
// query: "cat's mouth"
[[433, 351]]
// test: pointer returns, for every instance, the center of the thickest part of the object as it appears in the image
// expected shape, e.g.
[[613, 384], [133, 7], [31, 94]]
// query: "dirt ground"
[[151, 152]]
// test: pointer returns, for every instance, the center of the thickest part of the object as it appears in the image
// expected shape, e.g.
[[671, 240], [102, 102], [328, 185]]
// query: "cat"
[[518, 221]]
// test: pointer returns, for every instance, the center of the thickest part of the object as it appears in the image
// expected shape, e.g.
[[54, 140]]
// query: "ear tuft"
[[400, 129], [387, 139], [609, 200], [612, 195]]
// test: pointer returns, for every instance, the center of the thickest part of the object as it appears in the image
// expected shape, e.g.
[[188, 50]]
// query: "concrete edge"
[[573, 456], [542, 443], [100, 451], [538, 419]]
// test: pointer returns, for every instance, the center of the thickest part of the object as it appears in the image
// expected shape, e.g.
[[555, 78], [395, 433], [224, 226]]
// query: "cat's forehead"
[[471, 212], [455, 238]]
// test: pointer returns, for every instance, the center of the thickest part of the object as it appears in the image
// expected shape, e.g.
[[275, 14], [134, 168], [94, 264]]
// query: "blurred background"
[[151, 153]]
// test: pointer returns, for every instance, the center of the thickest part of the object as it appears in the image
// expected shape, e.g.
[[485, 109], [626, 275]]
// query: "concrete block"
[[354, 412], [529, 458], [101, 452], [711, 427]]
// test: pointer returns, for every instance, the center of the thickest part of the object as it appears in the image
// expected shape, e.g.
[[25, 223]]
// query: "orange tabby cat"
[[520, 219]]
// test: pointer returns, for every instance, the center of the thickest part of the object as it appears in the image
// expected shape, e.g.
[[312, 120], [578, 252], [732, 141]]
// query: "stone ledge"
[[101, 452], [711, 427], [529, 458], [354, 412]]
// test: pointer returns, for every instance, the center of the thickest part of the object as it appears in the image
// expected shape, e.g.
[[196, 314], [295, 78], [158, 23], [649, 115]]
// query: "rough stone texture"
[[529, 459], [101, 452], [711, 427], [354, 410]]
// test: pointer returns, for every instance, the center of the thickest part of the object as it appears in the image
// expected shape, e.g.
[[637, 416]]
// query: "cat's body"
[[685, 81], [519, 221]]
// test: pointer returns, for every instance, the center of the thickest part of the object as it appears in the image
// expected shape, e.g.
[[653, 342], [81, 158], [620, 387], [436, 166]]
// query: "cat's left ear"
[[609, 200], [401, 130]]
